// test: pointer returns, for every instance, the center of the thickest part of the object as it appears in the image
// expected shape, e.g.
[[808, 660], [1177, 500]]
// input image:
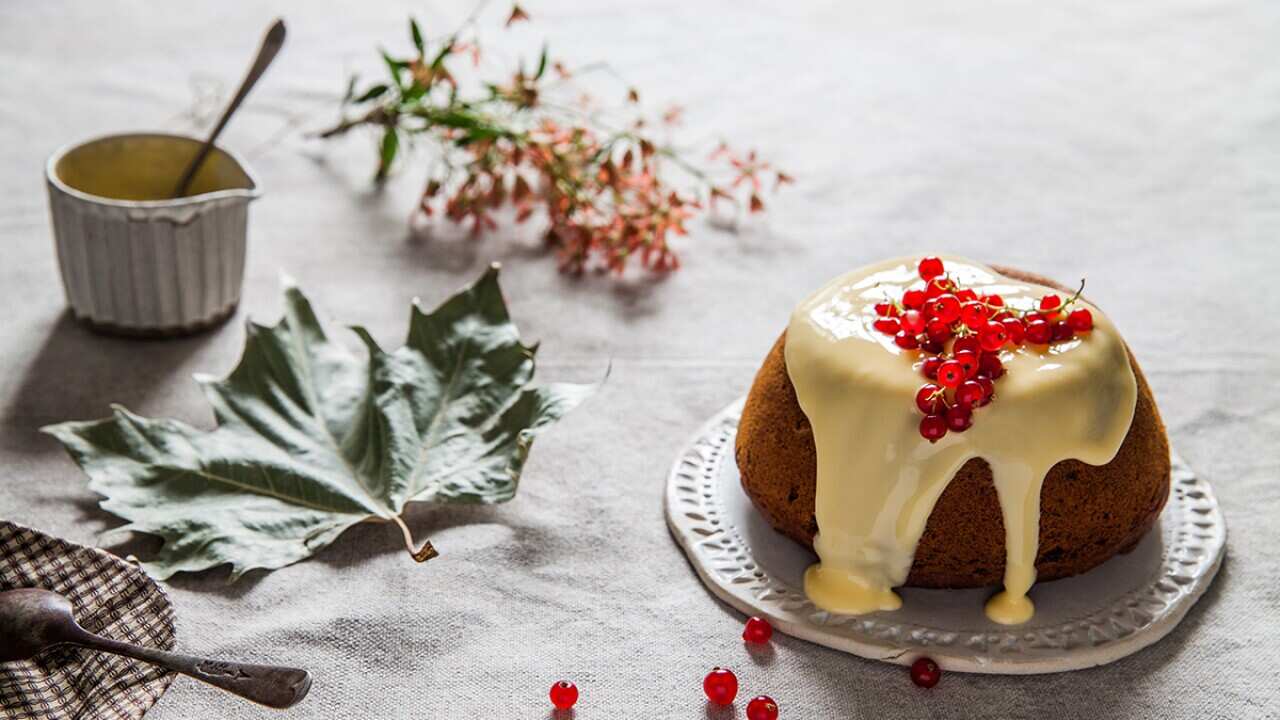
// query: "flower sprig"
[[607, 192]]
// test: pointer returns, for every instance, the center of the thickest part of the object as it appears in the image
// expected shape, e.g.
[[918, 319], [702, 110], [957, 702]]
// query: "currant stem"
[[422, 554]]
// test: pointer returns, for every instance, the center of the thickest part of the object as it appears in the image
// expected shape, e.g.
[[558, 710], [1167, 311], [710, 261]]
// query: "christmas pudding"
[[934, 422]]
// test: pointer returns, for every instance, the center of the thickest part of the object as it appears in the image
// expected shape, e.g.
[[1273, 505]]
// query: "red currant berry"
[[992, 337], [933, 346], [969, 361], [1050, 302], [945, 307], [938, 331], [758, 630], [913, 299], [721, 686], [885, 309], [1001, 316], [1039, 331], [913, 321], [968, 342], [762, 707], [994, 300], [1016, 330], [925, 673], [989, 364], [906, 341], [988, 389], [929, 399], [959, 418], [1080, 320], [564, 694], [933, 427], [966, 295], [937, 286], [929, 368], [950, 373], [887, 325], [974, 315], [1062, 331], [930, 268], [969, 393]]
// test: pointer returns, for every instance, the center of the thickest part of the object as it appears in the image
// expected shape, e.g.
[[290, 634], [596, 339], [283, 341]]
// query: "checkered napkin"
[[111, 598]]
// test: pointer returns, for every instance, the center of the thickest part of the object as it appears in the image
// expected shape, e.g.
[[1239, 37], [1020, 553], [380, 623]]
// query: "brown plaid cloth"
[[111, 598]]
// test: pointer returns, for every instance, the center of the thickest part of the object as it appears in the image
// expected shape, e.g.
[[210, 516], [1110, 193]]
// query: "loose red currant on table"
[[930, 268], [564, 694], [925, 673], [721, 686], [762, 707], [758, 630]]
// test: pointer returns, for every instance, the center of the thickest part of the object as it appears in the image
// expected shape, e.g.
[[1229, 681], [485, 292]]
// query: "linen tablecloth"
[[1135, 144]]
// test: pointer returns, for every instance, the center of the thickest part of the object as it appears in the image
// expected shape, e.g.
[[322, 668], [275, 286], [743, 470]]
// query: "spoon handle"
[[275, 687], [271, 45]]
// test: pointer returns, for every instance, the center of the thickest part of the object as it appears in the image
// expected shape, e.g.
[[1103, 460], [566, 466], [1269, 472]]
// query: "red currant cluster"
[[961, 334]]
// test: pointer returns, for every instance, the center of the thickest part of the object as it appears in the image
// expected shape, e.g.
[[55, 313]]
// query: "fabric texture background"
[[1135, 144]]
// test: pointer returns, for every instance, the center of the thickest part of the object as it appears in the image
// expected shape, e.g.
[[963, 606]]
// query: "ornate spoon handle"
[[276, 687]]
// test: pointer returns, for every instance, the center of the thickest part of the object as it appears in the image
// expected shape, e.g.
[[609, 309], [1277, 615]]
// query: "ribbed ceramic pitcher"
[[135, 261]]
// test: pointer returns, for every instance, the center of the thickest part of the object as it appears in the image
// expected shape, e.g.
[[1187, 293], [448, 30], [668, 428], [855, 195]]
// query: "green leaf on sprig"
[[387, 152], [416, 34], [542, 64], [376, 91], [312, 438], [394, 67]]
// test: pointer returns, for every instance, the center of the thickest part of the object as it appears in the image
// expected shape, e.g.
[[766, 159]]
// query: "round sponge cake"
[[1087, 513]]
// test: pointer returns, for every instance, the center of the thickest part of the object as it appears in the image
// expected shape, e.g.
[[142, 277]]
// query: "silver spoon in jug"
[[32, 619], [271, 45]]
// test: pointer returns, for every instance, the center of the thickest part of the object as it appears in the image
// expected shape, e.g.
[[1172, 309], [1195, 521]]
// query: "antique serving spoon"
[[271, 45], [32, 619]]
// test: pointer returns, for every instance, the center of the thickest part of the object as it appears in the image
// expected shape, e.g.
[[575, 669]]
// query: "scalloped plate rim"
[[718, 433]]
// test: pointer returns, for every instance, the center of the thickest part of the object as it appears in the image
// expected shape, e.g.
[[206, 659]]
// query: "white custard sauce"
[[878, 479]]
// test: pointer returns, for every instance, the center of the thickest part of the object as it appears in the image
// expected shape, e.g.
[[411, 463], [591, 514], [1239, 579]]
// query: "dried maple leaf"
[[313, 438]]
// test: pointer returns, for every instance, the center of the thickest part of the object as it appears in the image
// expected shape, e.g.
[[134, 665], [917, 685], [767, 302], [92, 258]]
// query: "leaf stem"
[[422, 554]]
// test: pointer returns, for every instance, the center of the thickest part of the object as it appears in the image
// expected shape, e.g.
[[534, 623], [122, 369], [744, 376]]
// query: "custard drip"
[[878, 480]]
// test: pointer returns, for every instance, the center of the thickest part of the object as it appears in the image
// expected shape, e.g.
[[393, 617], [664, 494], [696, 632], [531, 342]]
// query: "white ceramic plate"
[[1114, 610]]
